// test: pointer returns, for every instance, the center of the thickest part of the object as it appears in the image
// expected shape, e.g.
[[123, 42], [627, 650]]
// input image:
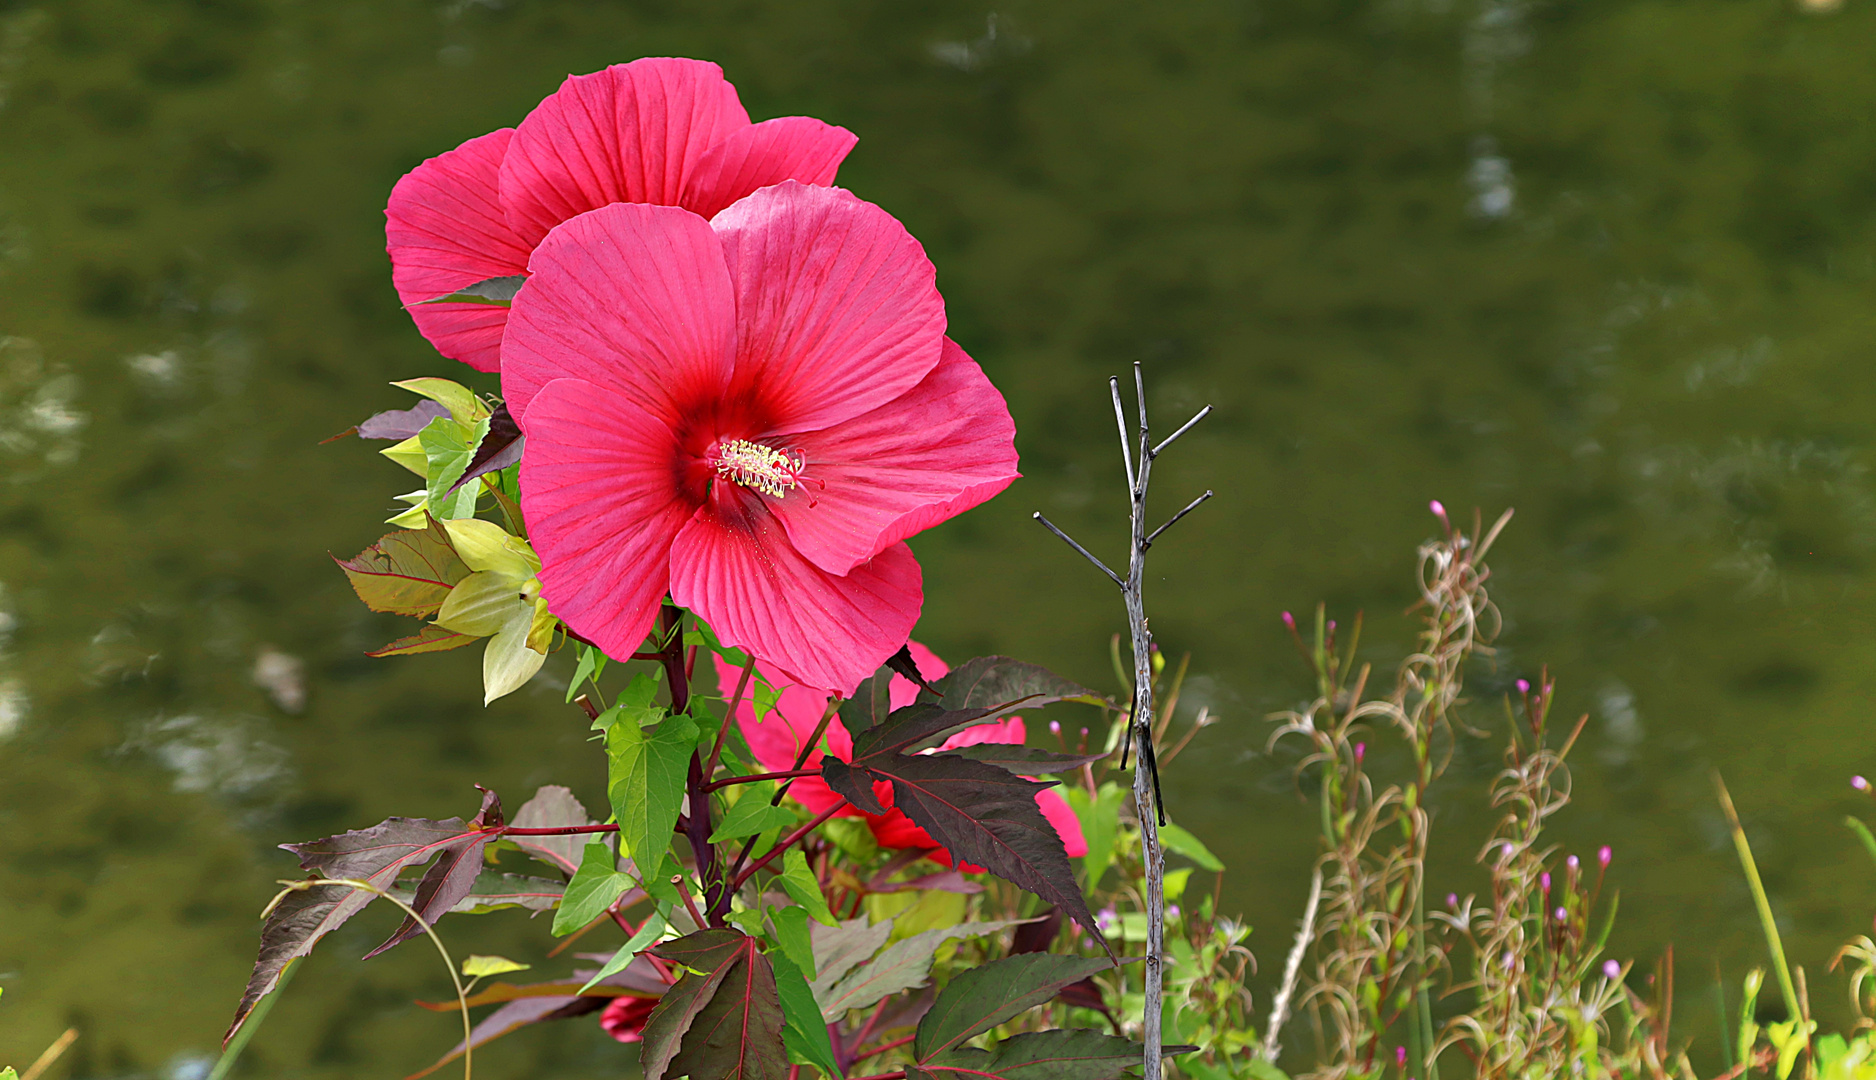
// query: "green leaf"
[[1178, 840], [496, 291], [591, 891], [752, 814], [804, 1033], [478, 966], [481, 604], [791, 935], [464, 407], [407, 573], [646, 782], [1042, 1055], [508, 662], [978, 999], [485, 545], [591, 666], [1100, 826], [448, 447], [799, 883], [839, 949], [999, 683], [430, 639], [647, 934]]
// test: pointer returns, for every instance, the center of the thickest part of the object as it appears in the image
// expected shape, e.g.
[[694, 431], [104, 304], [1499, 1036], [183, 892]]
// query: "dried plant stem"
[[1141, 731], [1305, 933], [52, 1053]]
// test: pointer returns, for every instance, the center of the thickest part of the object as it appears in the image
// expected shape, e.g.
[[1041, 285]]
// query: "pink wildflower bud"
[[1562, 915], [1289, 620], [1611, 970], [1544, 881], [1172, 911], [1510, 960], [1438, 508], [1524, 686], [1603, 855], [1859, 783], [1331, 626], [1452, 899], [1055, 727], [1400, 1056], [1508, 851], [1572, 862], [1361, 751]]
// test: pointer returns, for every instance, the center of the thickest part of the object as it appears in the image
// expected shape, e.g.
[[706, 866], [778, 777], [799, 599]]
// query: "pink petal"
[[1009, 732], [777, 739], [1067, 825], [602, 505], [444, 229], [877, 479], [631, 133], [758, 593], [787, 148], [837, 308], [630, 297]]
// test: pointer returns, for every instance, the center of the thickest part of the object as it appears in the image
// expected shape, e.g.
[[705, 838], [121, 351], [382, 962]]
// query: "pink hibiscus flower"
[[659, 130], [751, 413], [776, 742], [624, 1018]]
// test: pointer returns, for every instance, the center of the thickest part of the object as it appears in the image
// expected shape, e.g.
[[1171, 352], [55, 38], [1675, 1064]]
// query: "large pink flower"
[[751, 413], [776, 741], [658, 130]]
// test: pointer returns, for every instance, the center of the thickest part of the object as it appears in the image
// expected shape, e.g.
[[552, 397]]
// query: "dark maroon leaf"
[[981, 813], [375, 856], [979, 998], [400, 424], [738, 1035], [909, 728], [500, 448], [490, 815], [869, 704], [1032, 937], [1000, 683], [1085, 994], [450, 878], [903, 663], [1024, 759], [721, 1018], [409, 572]]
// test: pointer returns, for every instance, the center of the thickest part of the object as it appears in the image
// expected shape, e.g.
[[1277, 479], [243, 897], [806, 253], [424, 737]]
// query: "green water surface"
[[1610, 262]]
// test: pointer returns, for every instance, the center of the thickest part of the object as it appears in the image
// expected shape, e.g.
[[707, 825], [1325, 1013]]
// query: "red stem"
[[729, 717], [755, 777], [787, 842], [883, 1047]]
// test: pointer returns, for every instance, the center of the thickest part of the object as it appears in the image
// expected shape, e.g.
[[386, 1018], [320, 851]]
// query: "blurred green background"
[[1610, 262]]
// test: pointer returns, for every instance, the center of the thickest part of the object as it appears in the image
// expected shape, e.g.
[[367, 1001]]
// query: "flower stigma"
[[753, 465]]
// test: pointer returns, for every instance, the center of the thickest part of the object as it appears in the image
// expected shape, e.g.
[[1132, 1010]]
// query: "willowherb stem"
[[1146, 793]]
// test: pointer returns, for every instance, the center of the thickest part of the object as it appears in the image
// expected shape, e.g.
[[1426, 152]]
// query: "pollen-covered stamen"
[[753, 465]]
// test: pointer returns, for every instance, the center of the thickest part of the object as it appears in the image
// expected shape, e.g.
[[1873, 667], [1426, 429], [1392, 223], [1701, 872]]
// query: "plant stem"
[[752, 778], [1759, 900], [786, 842]]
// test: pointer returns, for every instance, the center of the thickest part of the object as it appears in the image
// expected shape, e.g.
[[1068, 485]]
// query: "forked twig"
[[1146, 792]]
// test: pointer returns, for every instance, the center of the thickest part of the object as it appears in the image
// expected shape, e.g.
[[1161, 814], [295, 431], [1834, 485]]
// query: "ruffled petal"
[[444, 229], [786, 148], [603, 506], [630, 297], [746, 580], [631, 133], [877, 479], [1067, 825], [837, 308]]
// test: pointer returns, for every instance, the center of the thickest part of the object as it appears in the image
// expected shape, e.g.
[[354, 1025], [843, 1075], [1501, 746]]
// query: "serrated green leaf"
[[804, 1034], [647, 935], [1178, 840], [799, 883], [1041, 1055], [791, 935], [978, 999], [840, 949], [591, 666], [477, 966], [591, 891], [646, 781], [905, 965], [448, 447], [752, 814]]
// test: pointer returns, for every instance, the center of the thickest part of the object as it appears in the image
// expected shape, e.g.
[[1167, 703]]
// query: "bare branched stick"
[[1146, 794], [1305, 933]]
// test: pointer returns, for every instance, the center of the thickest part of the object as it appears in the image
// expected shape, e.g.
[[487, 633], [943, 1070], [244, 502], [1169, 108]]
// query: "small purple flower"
[[1604, 855], [1510, 961], [1859, 783], [1055, 727], [1611, 970], [1172, 911], [1400, 1056], [1361, 751], [1573, 862], [1289, 620], [1107, 920], [1509, 851], [1452, 899], [1562, 915], [1439, 509], [1524, 686], [1543, 882]]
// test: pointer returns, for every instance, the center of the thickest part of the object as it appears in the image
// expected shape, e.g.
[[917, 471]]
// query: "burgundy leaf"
[[1039, 935], [375, 855], [738, 1034], [1000, 683], [869, 704], [908, 728], [500, 448], [981, 813], [554, 807], [1024, 759], [490, 815], [707, 957], [451, 878], [401, 424], [903, 663]]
